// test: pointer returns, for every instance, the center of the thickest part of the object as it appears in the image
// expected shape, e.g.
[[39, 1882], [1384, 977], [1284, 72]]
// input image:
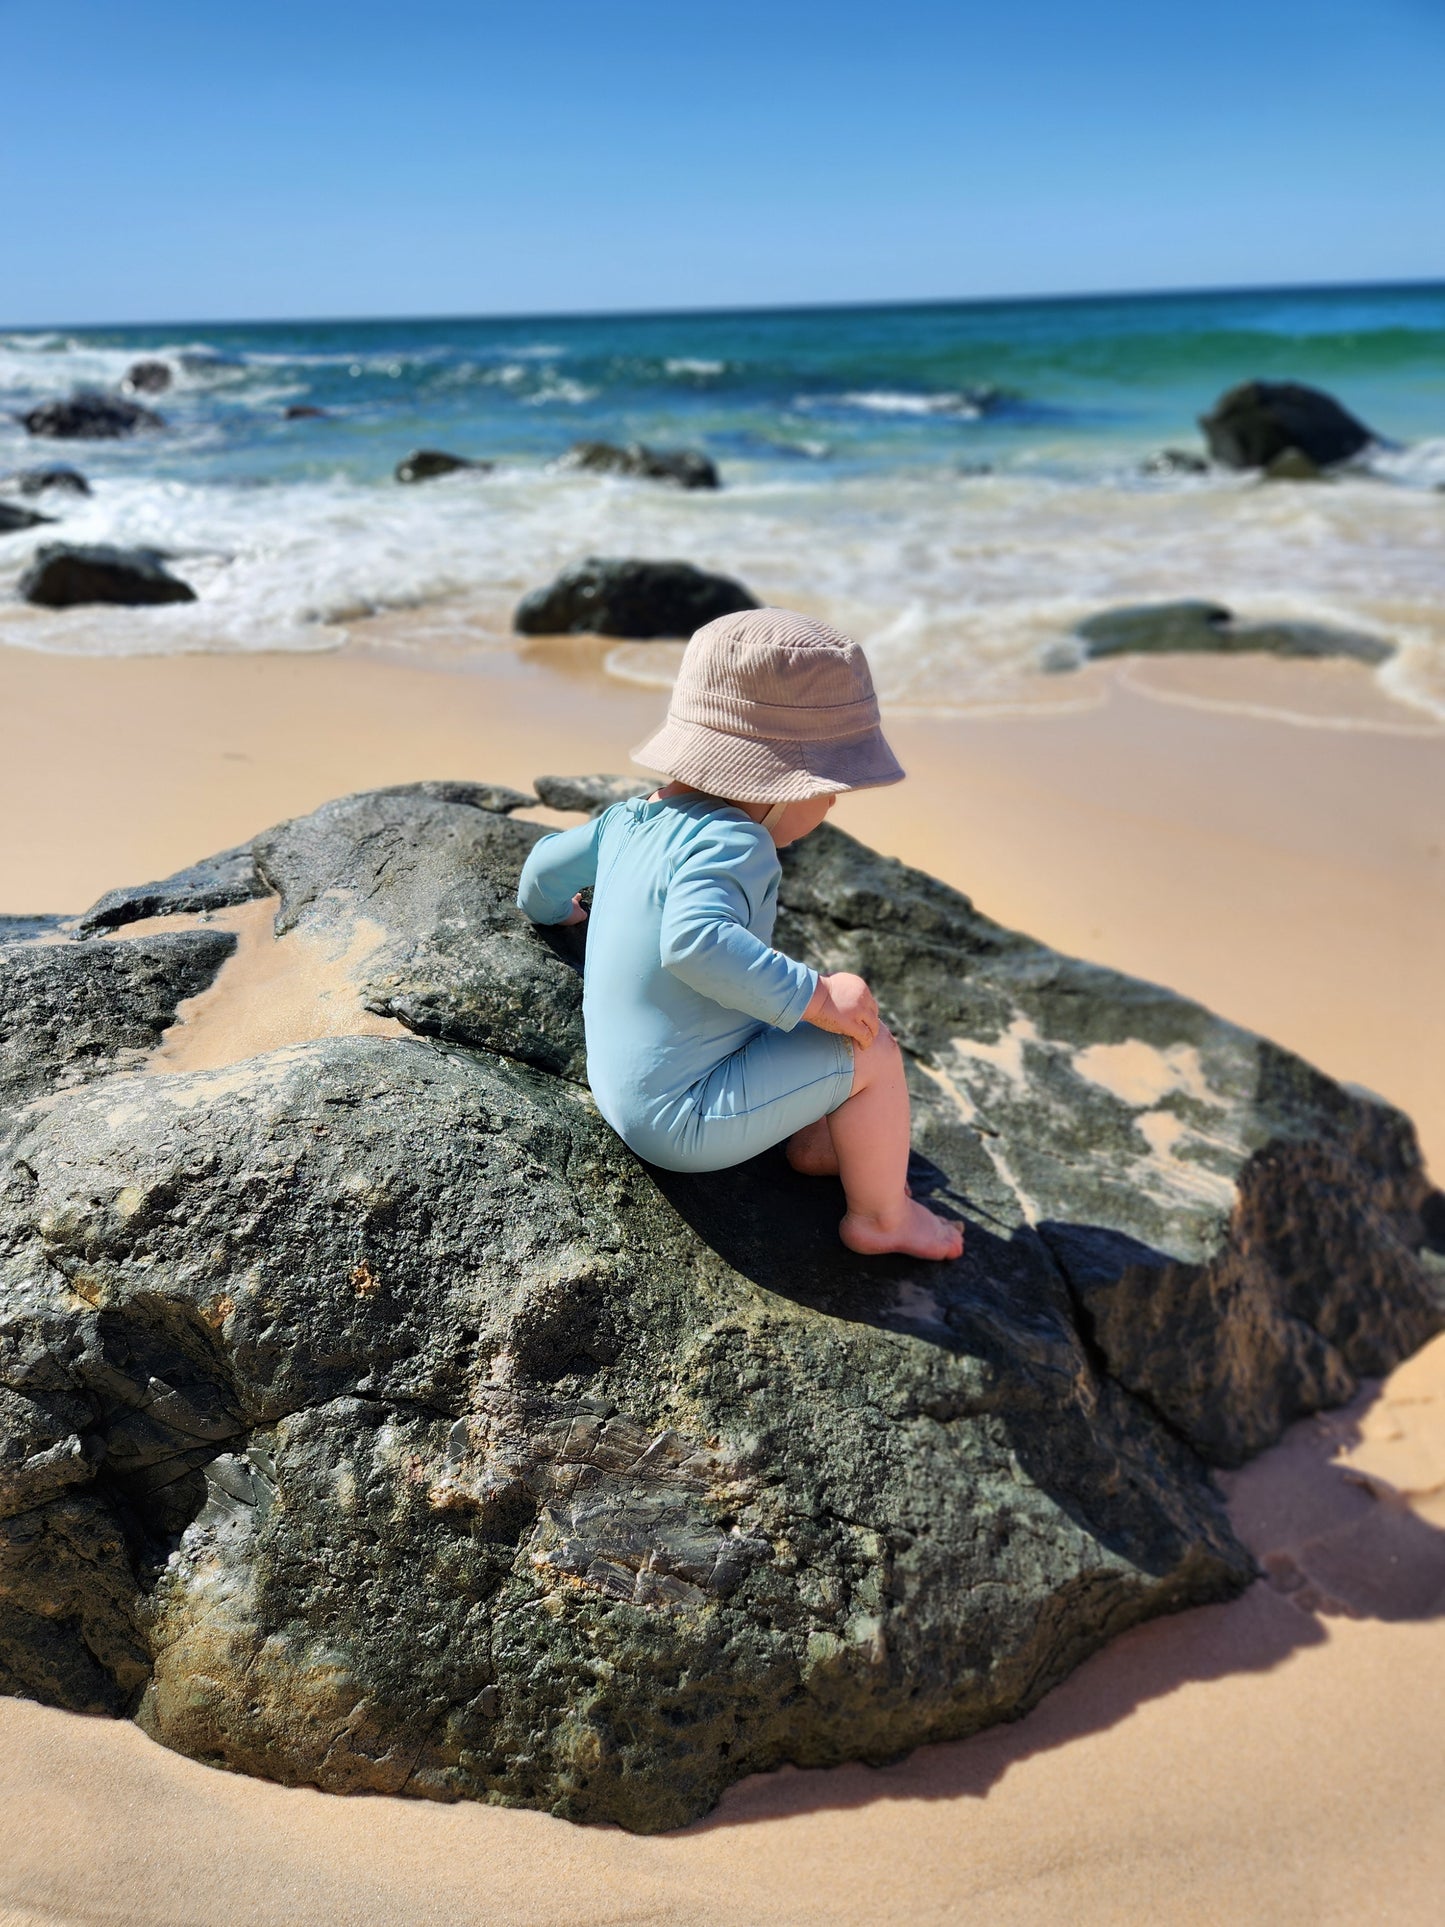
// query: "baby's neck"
[[757, 811]]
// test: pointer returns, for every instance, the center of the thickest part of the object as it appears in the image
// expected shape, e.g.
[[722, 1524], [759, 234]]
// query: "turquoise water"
[[955, 481], [1059, 384]]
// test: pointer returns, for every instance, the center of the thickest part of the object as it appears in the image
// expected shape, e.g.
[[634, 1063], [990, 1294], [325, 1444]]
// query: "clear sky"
[[180, 159]]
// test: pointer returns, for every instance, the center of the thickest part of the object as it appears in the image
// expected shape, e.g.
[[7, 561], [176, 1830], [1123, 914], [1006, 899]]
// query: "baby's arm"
[[557, 868]]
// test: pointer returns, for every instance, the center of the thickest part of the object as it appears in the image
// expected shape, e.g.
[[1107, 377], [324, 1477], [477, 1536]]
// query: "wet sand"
[[1276, 1758]]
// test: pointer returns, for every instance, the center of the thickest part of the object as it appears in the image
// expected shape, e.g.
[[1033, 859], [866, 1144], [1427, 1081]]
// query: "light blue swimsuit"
[[695, 1052]]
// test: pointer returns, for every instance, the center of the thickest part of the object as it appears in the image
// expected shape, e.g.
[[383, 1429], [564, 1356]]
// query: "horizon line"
[[748, 308]]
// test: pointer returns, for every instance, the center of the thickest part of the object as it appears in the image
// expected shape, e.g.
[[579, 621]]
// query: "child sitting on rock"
[[704, 1044]]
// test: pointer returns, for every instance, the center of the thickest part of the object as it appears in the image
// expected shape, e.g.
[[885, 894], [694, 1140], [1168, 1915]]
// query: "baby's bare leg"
[[811, 1151], [870, 1136]]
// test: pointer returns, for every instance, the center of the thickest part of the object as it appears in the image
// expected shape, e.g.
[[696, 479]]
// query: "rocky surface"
[[612, 596], [425, 464], [147, 378], [588, 794], [373, 1419], [1193, 627], [685, 467], [35, 481], [1253, 424], [13, 518], [86, 416], [218, 883], [65, 574], [303, 411], [71, 1009]]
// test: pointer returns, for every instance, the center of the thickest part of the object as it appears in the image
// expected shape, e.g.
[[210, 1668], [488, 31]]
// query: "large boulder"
[[1259, 420], [1192, 627], [611, 596], [65, 574], [35, 481], [147, 378], [373, 1419], [683, 466], [88, 416]]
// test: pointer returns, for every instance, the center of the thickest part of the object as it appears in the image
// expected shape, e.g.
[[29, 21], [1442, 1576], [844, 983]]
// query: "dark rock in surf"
[[303, 411], [63, 576], [425, 464], [683, 466], [35, 481], [1193, 627], [89, 417], [147, 378], [1175, 461], [375, 1384], [614, 596], [1257, 421], [13, 519]]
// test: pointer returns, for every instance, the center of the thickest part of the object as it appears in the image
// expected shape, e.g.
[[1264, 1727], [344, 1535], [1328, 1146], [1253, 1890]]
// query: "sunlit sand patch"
[[1005, 1055], [271, 992], [1168, 1136], [1140, 1073], [1400, 1455]]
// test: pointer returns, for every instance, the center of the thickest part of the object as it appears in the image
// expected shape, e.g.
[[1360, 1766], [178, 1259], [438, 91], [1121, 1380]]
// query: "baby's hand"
[[845, 1004], [575, 915]]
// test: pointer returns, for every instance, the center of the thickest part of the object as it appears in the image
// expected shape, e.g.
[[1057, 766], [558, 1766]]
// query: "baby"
[[704, 1044]]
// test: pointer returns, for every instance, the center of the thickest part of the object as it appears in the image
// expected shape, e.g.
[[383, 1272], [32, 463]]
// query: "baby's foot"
[[912, 1228]]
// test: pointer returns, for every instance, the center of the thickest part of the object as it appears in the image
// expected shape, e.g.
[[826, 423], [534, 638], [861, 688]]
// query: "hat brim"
[[776, 771]]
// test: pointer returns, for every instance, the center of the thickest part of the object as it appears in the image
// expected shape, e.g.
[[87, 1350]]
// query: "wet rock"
[[14, 518], [35, 481], [147, 378], [610, 596], [303, 411], [74, 1010], [425, 464], [17, 929], [1290, 465], [683, 466], [1257, 421], [63, 575], [1191, 627], [588, 794], [460, 1454], [87, 416], [219, 883], [1175, 461]]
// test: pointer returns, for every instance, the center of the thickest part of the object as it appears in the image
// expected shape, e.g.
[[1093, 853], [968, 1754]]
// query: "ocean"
[[956, 484]]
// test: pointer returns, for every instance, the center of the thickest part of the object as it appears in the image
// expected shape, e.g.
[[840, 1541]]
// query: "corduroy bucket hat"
[[772, 707]]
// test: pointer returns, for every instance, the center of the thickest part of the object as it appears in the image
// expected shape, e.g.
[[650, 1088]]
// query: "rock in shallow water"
[[683, 466], [87, 416], [13, 518], [65, 575], [1196, 627], [379, 1422], [425, 464], [1259, 420], [616, 596], [34, 481]]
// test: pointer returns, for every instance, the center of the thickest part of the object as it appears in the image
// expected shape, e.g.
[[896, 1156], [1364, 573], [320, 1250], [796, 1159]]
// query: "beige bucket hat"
[[772, 707]]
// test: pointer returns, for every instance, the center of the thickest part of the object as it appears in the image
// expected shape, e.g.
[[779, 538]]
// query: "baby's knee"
[[882, 1056]]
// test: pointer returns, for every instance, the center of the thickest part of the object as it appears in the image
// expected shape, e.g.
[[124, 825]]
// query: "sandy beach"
[[1267, 837]]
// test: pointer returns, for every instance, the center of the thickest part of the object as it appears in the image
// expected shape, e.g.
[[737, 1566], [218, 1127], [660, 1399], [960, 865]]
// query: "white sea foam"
[[693, 365], [955, 585], [888, 401]]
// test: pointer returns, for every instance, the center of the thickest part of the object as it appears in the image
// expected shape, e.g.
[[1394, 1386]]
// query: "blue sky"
[[202, 162]]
